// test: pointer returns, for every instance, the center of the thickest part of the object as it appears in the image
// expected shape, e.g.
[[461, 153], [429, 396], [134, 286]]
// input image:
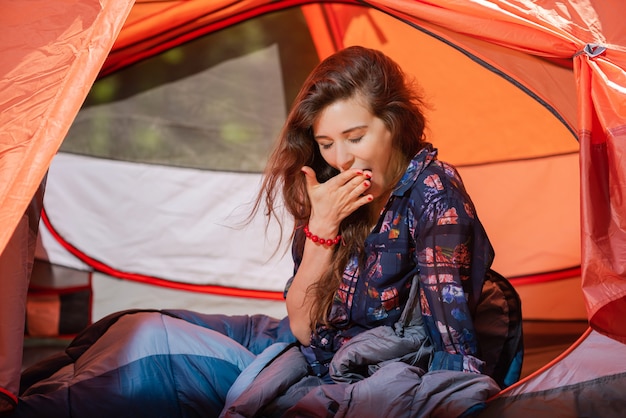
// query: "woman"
[[355, 169], [390, 260]]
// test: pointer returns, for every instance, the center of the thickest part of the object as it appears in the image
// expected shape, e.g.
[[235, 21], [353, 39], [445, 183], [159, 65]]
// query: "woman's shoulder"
[[438, 190], [446, 171], [438, 179]]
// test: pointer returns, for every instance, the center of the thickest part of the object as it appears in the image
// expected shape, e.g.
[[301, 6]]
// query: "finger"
[[362, 186], [310, 176], [353, 175], [358, 184], [363, 200]]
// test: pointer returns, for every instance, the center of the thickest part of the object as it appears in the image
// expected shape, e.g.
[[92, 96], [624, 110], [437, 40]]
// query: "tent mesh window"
[[217, 102]]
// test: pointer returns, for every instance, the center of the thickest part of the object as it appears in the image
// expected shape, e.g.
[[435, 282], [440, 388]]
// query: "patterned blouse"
[[429, 227]]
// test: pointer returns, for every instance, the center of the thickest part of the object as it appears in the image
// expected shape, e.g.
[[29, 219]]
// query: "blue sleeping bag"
[[145, 363], [177, 363]]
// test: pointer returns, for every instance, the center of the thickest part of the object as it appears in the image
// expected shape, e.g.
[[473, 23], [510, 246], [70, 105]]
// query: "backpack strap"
[[498, 325]]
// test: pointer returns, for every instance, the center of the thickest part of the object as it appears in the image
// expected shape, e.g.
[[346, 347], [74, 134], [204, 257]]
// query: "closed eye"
[[326, 146]]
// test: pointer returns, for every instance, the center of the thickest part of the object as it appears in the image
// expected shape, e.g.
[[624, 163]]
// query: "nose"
[[343, 158]]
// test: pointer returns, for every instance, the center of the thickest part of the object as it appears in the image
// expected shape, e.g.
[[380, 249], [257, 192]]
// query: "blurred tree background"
[[217, 102]]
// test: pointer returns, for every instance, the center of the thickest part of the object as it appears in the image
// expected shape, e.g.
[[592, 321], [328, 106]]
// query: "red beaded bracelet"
[[327, 242]]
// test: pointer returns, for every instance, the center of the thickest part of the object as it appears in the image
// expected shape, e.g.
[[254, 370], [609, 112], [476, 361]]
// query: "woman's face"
[[349, 136]]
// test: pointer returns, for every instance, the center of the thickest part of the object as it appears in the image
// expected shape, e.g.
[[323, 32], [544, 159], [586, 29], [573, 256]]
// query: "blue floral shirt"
[[429, 227]]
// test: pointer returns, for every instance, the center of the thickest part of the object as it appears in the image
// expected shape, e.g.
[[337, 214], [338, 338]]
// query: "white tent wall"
[[163, 223], [181, 225], [112, 295]]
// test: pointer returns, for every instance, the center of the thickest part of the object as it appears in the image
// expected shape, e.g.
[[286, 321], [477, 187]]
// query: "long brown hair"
[[381, 84]]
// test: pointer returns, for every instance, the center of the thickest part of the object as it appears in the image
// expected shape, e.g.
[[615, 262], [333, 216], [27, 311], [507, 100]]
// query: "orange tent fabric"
[[51, 55]]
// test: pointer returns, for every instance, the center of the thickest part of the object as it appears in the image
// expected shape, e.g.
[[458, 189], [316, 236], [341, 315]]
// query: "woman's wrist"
[[322, 228], [327, 240]]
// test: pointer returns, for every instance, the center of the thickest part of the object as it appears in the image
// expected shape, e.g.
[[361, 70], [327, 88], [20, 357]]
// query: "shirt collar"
[[421, 160]]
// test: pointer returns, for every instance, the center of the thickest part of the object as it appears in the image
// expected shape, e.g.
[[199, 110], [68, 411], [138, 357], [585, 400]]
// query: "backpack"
[[498, 325]]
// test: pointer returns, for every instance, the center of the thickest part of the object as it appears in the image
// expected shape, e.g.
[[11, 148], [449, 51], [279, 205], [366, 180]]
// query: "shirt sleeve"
[[444, 255]]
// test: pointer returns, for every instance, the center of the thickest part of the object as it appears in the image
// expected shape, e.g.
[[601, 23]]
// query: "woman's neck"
[[377, 206]]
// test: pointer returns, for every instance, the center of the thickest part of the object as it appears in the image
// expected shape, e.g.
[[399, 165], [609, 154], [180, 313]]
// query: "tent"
[[146, 186]]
